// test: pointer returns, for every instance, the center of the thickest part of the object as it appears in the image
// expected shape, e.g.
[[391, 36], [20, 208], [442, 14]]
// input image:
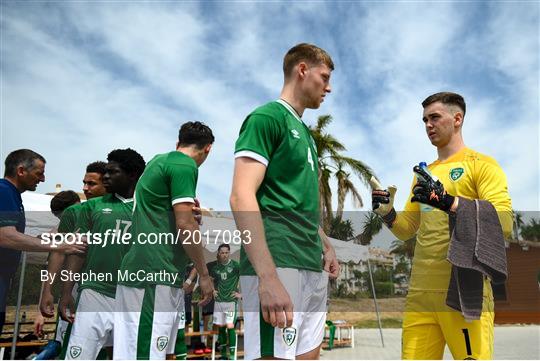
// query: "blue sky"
[[80, 79]]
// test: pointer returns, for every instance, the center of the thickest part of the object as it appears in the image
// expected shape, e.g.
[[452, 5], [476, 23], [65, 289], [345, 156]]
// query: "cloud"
[[88, 78]]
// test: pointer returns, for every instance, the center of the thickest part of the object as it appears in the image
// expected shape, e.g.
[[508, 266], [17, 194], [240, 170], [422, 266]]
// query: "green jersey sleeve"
[[182, 183], [84, 219], [260, 134], [68, 221]]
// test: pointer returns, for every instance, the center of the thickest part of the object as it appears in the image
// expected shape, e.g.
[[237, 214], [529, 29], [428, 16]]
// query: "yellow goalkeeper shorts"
[[429, 325]]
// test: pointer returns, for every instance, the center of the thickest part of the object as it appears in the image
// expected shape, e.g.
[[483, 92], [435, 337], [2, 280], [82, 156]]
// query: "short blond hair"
[[309, 53]]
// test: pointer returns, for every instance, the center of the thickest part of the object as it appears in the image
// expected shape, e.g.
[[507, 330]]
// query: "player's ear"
[[458, 119], [301, 69], [177, 145], [207, 148]]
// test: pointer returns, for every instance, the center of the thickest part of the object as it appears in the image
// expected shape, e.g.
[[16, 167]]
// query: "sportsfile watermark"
[[117, 237]]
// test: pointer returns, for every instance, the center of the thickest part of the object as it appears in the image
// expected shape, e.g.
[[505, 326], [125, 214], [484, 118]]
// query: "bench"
[[339, 339]]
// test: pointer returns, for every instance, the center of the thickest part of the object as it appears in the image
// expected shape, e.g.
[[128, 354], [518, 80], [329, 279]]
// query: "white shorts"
[[146, 321], [93, 326], [224, 313], [307, 290]]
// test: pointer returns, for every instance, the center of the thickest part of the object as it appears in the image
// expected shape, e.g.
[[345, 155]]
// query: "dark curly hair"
[[129, 160], [96, 167]]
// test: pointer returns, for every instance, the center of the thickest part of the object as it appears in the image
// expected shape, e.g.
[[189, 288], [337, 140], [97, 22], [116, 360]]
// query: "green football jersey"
[[226, 277], [288, 196], [68, 220], [107, 218], [168, 179]]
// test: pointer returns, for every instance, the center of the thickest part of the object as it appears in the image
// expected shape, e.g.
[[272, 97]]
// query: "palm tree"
[[518, 223], [332, 164], [372, 226], [404, 248]]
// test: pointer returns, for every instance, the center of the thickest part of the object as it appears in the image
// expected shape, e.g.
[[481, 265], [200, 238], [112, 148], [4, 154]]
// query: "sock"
[[222, 339], [180, 348], [232, 342]]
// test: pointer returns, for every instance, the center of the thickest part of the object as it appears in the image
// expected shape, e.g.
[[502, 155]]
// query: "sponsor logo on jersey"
[[295, 133], [106, 210], [75, 351], [456, 173], [289, 335], [162, 342]]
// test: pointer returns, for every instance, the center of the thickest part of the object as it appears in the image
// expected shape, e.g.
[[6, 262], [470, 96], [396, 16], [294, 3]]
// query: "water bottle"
[[424, 166]]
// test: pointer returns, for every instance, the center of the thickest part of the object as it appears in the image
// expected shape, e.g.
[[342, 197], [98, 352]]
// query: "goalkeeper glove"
[[382, 201], [431, 192]]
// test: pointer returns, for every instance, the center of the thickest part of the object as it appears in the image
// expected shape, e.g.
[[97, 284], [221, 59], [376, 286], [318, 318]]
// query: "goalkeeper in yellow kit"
[[463, 173]]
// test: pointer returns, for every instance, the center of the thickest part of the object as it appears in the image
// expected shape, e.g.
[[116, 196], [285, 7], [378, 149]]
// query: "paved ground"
[[511, 343]]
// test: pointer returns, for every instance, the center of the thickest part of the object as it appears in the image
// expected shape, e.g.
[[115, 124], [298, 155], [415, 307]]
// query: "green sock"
[[222, 339], [232, 342], [180, 348]]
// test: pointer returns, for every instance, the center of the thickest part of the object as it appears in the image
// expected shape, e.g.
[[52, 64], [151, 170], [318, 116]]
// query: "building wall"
[[522, 303]]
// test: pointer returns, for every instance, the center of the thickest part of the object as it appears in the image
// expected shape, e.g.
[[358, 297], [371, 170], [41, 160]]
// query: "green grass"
[[386, 323]]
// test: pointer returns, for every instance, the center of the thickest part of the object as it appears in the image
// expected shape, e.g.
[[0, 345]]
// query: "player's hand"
[[331, 264], [207, 289], [431, 192], [38, 325], [382, 200], [276, 305], [188, 287], [237, 295], [46, 306], [215, 293], [66, 307], [197, 212]]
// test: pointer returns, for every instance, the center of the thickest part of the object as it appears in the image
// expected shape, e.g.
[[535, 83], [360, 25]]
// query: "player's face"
[[31, 177], [440, 124], [316, 85], [115, 179], [93, 185], [223, 255]]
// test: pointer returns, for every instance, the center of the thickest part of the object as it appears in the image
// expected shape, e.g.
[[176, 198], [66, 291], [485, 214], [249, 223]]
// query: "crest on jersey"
[[289, 335], [162, 342], [295, 133], [229, 269], [456, 173], [75, 351], [106, 210]]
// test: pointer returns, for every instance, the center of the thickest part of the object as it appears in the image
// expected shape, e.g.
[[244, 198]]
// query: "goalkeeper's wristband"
[[389, 218]]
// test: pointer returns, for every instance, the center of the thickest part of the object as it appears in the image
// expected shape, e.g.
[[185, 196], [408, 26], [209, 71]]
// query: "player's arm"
[[492, 186], [402, 224], [331, 264], [13, 239], [276, 304], [187, 225], [190, 282], [54, 266], [66, 306]]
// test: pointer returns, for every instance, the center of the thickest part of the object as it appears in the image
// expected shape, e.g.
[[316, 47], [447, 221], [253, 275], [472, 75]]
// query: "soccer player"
[[463, 174], [275, 200], [92, 187], [226, 274], [24, 170], [148, 308], [108, 219]]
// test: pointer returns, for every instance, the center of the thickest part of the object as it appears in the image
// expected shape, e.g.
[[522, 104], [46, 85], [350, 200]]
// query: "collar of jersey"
[[124, 200], [225, 264], [290, 109]]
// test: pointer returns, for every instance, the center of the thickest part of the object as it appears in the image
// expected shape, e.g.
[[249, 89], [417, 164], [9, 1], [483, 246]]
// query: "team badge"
[[456, 173], [75, 351], [289, 335], [295, 134], [162, 342]]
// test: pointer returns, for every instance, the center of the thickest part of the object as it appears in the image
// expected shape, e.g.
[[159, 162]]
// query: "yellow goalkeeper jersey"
[[467, 174]]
